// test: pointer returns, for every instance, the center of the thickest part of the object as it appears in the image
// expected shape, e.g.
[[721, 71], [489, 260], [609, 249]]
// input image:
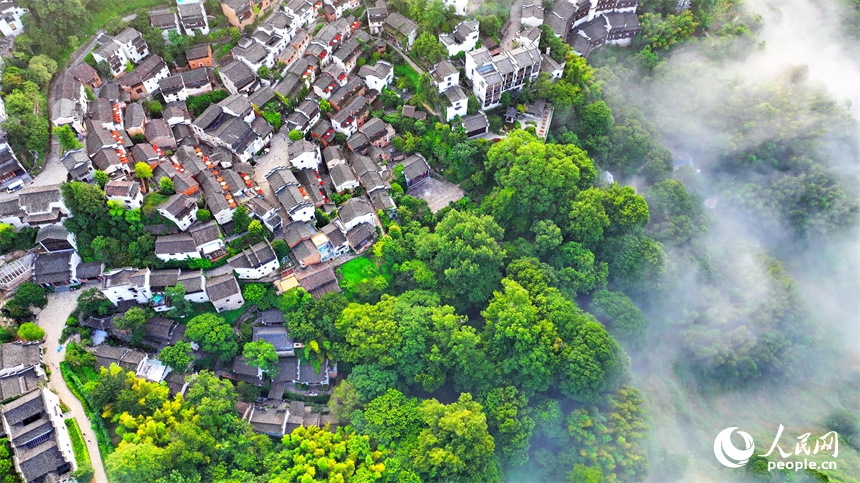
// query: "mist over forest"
[[760, 322]]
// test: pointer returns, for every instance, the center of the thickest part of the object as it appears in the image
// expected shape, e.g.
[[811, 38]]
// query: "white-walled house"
[[464, 38], [195, 286], [176, 247], [125, 284], [378, 76], [224, 292], [355, 211], [255, 262], [126, 192], [10, 18], [445, 76], [304, 155], [459, 103], [179, 209]]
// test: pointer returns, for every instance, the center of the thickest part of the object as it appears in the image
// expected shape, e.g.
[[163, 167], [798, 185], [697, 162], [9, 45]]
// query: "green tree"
[[133, 463], [627, 211], [155, 109], [134, 321], [464, 252], [456, 443], [181, 307], [534, 180], [165, 186], [214, 335], [177, 356], [241, 220], [29, 331], [262, 354], [255, 228], [142, 171], [296, 135], [636, 263], [510, 424], [428, 48], [101, 178], [622, 318], [67, 138], [203, 215], [92, 301], [348, 457], [254, 292], [29, 294]]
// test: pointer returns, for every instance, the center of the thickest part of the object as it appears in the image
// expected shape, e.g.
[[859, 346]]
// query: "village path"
[[53, 318], [515, 25]]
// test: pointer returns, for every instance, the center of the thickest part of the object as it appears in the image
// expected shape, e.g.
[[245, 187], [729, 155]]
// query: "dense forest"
[[524, 333]]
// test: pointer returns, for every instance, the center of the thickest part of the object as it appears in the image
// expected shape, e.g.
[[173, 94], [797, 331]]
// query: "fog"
[[801, 44]]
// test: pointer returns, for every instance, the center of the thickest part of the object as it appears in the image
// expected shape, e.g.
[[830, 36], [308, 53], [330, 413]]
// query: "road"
[[516, 25], [53, 319]]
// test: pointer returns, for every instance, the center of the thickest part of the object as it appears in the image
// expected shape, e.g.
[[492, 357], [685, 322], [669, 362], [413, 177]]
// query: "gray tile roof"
[[341, 174], [205, 232], [19, 353], [38, 199], [192, 281], [275, 335], [354, 208], [159, 279], [178, 205], [174, 244], [297, 231], [320, 282], [222, 287], [134, 115], [122, 188], [253, 257], [199, 52]]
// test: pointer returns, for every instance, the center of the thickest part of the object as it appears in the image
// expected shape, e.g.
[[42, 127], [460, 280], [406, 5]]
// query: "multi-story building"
[[509, 70], [192, 16], [464, 38], [588, 24]]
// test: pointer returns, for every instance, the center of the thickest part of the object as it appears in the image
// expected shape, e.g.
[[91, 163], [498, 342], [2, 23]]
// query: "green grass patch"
[[361, 277], [98, 423], [406, 70], [231, 316], [357, 269], [82, 454]]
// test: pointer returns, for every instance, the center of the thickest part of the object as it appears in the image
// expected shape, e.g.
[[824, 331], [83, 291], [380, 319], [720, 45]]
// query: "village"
[[291, 129]]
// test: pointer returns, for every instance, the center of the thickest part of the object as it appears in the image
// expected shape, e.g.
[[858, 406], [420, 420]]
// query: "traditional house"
[[255, 262], [304, 155], [376, 17], [126, 192], [415, 169], [306, 254], [179, 209], [164, 20], [509, 70], [56, 238], [337, 238], [267, 214], [237, 77], [194, 285], [378, 76], [87, 76], [354, 212], [207, 239], [360, 237], [127, 284], [135, 119], [78, 164], [320, 282], [199, 57], [41, 446], [458, 103], [176, 247], [192, 16], [445, 75], [143, 80], [400, 29], [224, 292], [297, 231], [43, 205], [132, 44], [69, 102], [55, 269], [531, 14], [112, 53], [343, 178], [10, 18], [20, 368], [476, 125]]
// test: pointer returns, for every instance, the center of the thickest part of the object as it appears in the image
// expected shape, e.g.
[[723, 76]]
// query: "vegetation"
[[7, 465], [82, 454], [29, 332]]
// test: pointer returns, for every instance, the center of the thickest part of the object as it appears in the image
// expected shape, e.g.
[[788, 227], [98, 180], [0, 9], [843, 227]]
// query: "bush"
[[31, 332], [204, 215], [82, 455], [102, 433]]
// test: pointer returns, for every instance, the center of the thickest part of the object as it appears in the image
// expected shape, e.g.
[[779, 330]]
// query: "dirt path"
[[53, 319]]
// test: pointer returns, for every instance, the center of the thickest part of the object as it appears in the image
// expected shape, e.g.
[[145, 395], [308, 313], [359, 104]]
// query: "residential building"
[[607, 28], [304, 155], [445, 76], [188, 83], [255, 262], [192, 16], [143, 80], [415, 169], [458, 103], [127, 284], [509, 70], [11, 172], [199, 57], [56, 238], [323, 132], [43, 205], [41, 446], [158, 133], [354, 212], [10, 18], [400, 29], [306, 254], [164, 20], [126, 192], [111, 52], [194, 285], [176, 247], [337, 237], [464, 38], [378, 76], [351, 116], [224, 292], [378, 132], [237, 77], [333, 155], [303, 12], [320, 282], [20, 368], [105, 115], [476, 125], [376, 17], [132, 44], [241, 13], [179, 209], [69, 102]]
